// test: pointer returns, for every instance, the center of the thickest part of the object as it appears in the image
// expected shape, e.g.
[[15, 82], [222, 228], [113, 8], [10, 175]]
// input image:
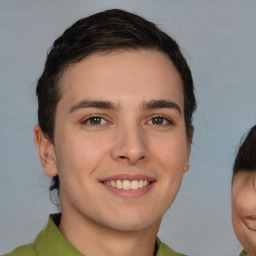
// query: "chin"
[[129, 224]]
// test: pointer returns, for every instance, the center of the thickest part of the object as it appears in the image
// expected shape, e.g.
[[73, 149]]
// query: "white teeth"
[[134, 184], [112, 183], [141, 183], [127, 184], [119, 184]]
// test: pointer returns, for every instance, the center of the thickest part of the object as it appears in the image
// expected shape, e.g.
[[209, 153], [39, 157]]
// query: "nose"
[[130, 145]]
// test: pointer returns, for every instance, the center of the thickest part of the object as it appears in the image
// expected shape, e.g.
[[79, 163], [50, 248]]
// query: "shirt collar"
[[50, 241], [243, 253]]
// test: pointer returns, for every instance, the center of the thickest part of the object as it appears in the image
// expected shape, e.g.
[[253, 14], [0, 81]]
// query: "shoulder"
[[24, 250], [165, 250], [243, 253]]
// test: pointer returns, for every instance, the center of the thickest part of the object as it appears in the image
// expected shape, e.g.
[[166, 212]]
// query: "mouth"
[[127, 184]]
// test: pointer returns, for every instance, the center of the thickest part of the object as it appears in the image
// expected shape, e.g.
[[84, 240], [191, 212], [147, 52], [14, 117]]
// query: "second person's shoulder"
[[24, 250]]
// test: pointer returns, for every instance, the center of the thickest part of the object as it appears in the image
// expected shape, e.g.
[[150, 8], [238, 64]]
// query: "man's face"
[[244, 210], [120, 145]]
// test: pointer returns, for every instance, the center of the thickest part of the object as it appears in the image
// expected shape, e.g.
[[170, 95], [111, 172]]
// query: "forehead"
[[244, 192], [124, 72], [244, 179]]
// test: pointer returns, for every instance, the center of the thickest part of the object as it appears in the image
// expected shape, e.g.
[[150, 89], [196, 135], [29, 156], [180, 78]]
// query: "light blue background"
[[218, 39]]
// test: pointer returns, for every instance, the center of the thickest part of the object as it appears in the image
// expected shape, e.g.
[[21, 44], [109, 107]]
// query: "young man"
[[244, 194], [115, 128]]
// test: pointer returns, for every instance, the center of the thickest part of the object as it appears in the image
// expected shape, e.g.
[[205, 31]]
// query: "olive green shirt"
[[243, 253], [51, 242]]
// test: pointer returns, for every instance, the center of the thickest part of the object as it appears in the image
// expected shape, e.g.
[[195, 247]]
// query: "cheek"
[[246, 236], [249, 241], [79, 155], [237, 225], [172, 160], [172, 154]]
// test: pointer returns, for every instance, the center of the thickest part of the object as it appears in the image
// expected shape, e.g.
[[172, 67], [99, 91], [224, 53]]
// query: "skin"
[[244, 210], [133, 137]]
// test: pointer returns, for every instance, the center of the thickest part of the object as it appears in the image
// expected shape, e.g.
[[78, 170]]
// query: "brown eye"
[[94, 120], [159, 120]]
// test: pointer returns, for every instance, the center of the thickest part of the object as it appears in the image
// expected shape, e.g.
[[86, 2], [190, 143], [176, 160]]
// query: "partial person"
[[115, 105], [244, 194]]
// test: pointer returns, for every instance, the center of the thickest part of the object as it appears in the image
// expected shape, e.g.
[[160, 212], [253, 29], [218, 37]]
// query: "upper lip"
[[128, 177]]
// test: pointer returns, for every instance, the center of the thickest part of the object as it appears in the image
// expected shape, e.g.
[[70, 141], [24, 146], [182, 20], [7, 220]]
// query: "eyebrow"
[[92, 104], [150, 105], [156, 104]]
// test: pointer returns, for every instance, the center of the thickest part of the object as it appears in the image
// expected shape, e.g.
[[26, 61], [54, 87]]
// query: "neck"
[[92, 239]]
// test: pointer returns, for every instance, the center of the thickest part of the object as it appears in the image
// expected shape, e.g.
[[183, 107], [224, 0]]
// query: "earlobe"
[[186, 168], [46, 152]]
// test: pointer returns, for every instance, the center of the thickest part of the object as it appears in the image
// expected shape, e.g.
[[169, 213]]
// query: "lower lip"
[[130, 193]]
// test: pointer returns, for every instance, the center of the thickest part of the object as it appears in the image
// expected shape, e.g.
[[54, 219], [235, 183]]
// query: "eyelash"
[[91, 118], [251, 217], [163, 118], [165, 121]]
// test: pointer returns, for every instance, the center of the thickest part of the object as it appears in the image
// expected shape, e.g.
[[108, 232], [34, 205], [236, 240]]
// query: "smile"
[[127, 184]]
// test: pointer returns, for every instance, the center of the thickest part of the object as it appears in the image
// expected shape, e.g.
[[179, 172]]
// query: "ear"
[[186, 168], [190, 138], [46, 152]]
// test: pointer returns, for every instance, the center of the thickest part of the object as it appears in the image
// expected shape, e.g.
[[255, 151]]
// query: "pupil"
[[158, 120], [95, 120]]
